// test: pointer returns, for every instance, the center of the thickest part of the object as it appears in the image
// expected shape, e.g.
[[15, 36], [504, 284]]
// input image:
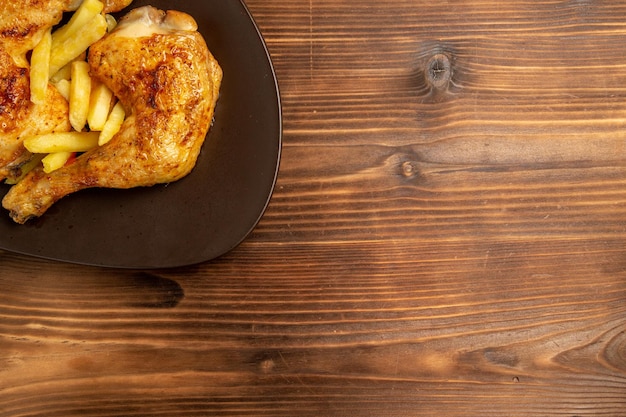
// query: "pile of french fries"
[[60, 59]]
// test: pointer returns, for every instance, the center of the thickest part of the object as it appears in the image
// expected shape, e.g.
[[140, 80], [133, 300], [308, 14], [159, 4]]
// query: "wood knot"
[[267, 366], [438, 71], [409, 169]]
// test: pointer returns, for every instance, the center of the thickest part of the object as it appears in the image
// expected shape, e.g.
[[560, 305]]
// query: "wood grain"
[[446, 237]]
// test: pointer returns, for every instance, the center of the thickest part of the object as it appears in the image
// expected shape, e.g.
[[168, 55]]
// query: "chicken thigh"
[[22, 25], [160, 68]]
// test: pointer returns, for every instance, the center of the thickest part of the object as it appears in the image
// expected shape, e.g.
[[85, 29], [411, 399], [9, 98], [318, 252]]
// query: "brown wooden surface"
[[434, 247]]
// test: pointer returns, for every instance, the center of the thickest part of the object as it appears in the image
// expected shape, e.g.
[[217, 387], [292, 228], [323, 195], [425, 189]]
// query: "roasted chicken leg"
[[163, 73]]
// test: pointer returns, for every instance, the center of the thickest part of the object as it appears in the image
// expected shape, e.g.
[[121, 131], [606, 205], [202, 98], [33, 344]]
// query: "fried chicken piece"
[[22, 25], [167, 80]]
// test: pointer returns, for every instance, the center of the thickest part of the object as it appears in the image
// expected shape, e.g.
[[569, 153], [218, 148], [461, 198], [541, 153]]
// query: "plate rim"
[[280, 134]]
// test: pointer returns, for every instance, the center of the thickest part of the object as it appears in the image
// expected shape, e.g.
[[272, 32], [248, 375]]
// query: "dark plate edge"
[[280, 143]]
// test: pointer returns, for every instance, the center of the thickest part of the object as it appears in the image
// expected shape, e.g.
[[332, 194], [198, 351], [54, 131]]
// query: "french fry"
[[80, 90], [113, 124], [55, 160], [99, 105], [40, 68], [67, 50], [65, 73], [62, 142], [87, 10], [63, 86]]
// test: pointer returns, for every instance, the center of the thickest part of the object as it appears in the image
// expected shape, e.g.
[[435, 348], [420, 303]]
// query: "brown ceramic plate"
[[205, 214]]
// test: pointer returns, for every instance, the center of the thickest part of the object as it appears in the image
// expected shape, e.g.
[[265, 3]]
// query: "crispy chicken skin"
[[22, 25], [167, 80]]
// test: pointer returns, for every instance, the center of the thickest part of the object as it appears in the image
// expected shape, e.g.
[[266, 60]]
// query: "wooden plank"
[[434, 247]]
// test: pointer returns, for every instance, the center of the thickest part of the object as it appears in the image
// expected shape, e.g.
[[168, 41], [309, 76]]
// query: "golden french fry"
[[39, 69], [55, 160], [64, 88], [62, 142], [65, 73], [87, 10], [80, 90], [70, 48], [99, 105], [113, 124]]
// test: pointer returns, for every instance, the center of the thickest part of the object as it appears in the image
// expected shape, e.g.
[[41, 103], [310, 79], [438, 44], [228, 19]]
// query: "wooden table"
[[447, 237]]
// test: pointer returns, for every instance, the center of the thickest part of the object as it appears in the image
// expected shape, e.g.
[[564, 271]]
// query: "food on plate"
[[100, 101], [40, 68], [23, 25], [167, 82], [85, 27]]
